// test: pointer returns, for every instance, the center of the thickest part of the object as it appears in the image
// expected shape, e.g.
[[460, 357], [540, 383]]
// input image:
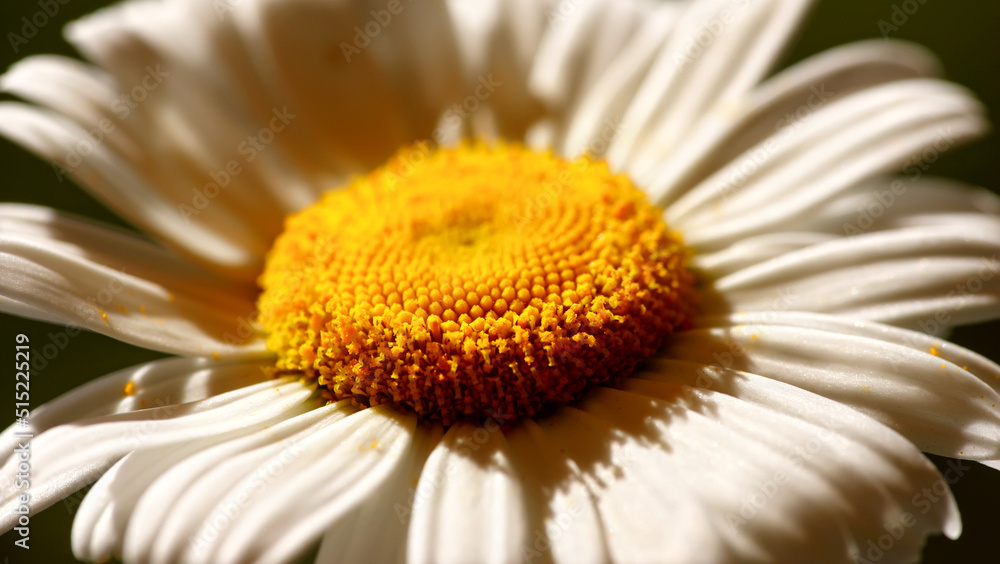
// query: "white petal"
[[109, 299], [755, 250], [936, 404], [99, 525], [973, 363], [70, 456], [878, 204], [511, 47], [597, 117], [885, 126], [794, 476], [890, 203], [387, 510], [689, 79], [476, 505], [584, 39], [18, 309], [162, 527], [204, 106], [159, 383], [329, 474], [647, 512], [129, 190], [782, 103], [359, 95], [117, 249], [941, 274], [564, 525]]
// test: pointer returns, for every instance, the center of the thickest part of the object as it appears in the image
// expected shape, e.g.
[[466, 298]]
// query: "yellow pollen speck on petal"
[[479, 281], [934, 351], [216, 357], [129, 388]]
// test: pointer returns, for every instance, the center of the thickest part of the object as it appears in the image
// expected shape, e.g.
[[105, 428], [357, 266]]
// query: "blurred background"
[[961, 32]]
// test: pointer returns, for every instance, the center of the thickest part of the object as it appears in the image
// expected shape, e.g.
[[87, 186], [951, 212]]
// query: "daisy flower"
[[501, 281]]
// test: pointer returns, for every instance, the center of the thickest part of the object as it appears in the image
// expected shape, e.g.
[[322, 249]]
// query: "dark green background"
[[961, 32]]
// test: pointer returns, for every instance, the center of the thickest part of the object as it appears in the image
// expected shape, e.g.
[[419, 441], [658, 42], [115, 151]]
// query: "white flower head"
[[504, 281]]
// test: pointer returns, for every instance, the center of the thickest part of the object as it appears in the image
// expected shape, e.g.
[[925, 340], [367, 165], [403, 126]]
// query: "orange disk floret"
[[479, 281]]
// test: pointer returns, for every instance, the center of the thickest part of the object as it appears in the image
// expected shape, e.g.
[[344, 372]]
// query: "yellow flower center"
[[480, 281]]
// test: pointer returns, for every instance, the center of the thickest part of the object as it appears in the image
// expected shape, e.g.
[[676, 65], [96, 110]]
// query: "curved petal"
[[647, 512], [109, 298], [208, 142], [472, 483], [885, 203], [564, 524], [938, 405], [879, 204], [597, 116], [973, 363], [584, 42], [689, 78], [803, 471], [783, 103], [117, 249], [941, 274], [754, 251], [331, 473], [366, 80], [503, 51], [387, 510], [159, 383], [70, 456], [828, 156], [132, 191], [159, 528]]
